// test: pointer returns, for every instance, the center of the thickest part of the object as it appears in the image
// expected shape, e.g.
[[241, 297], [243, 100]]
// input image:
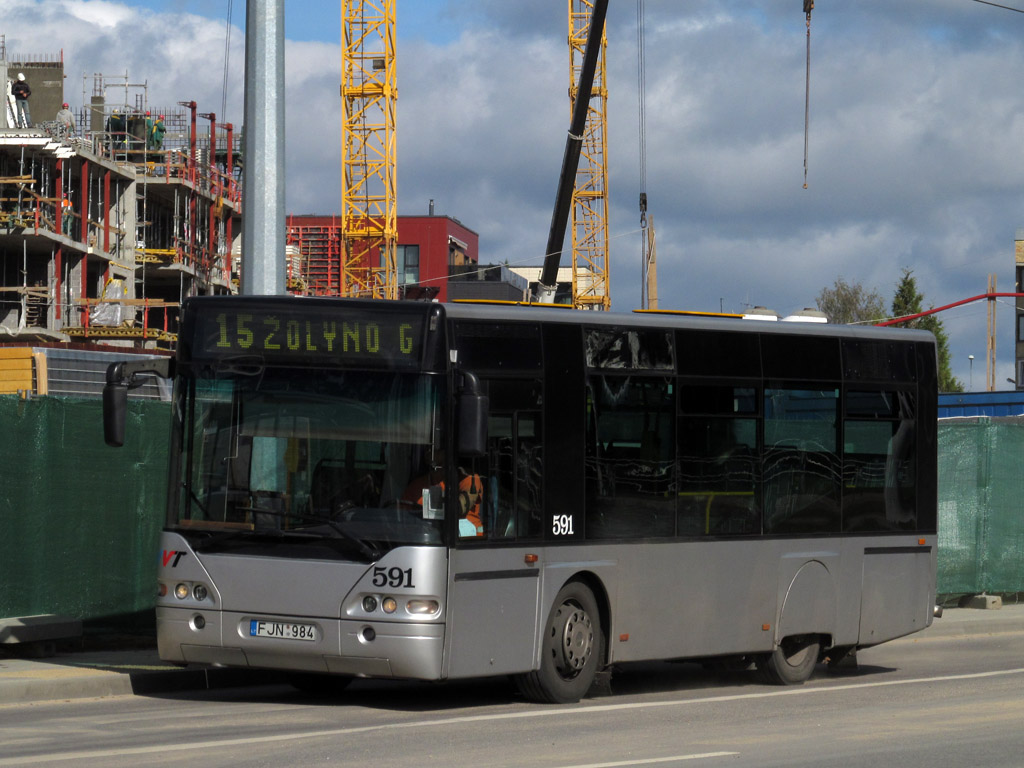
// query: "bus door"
[[494, 582]]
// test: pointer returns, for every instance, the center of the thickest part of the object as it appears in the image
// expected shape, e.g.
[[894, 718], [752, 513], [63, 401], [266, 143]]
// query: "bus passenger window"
[[717, 475], [629, 469], [718, 460], [879, 471], [801, 462]]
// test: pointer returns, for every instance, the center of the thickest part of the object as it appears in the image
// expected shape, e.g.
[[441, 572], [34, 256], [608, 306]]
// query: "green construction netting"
[[79, 520], [981, 518]]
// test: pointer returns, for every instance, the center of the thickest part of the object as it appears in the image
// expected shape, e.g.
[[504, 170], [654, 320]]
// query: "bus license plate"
[[282, 630]]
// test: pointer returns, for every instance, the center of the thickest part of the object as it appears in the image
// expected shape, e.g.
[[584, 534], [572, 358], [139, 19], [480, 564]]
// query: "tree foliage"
[[908, 301], [850, 303]]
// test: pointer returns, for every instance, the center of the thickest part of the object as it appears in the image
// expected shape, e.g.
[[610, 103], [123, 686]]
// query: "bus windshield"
[[301, 453]]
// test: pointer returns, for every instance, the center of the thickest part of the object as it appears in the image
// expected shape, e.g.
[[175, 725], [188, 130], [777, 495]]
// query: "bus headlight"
[[420, 607], [369, 603], [199, 592], [181, 591], [389, 604]]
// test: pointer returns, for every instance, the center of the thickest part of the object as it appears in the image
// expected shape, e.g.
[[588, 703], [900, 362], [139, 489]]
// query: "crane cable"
[[808, 7], [227, 57], [641, 75]]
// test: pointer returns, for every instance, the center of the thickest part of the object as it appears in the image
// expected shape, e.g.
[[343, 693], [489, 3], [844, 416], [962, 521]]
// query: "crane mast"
[[589, 225], [369, 200]]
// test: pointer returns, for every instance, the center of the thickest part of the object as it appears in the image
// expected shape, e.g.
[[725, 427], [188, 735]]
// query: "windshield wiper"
[[365, 549]]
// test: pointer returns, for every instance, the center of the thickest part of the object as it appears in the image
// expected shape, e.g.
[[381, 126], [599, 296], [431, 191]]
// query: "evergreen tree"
[[850, 303], [909, 301]]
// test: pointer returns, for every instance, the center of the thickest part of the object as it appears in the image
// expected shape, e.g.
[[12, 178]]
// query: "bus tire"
[[792, 662], [572, 649]]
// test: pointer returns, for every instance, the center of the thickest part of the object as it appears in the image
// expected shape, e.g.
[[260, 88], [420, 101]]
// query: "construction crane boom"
[[545, 292], [589, 225], [369, 200]]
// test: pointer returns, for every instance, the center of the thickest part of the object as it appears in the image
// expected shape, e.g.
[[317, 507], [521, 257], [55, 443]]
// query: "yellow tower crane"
[[368, 189], [589, 224]]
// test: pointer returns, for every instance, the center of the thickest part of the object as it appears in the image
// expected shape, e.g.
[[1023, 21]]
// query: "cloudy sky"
[[917, 127]]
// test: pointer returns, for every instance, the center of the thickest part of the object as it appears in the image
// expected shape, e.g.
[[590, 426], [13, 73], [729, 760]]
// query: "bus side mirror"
[[115, 408], [474, 407], [121, 377]]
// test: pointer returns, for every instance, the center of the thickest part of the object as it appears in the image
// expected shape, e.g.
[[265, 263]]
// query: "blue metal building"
[[1010, 403]]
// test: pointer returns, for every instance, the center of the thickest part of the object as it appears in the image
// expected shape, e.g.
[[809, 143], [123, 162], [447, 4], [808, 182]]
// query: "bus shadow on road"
[[627, 680], [680, 677]]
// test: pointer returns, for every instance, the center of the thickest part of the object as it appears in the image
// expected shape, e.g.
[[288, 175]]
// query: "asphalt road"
[[942, 701]]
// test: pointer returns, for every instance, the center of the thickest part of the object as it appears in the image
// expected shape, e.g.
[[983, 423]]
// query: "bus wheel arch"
[[573, 647]]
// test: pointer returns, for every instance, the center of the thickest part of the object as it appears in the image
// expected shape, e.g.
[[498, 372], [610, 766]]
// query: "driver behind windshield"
[[470, 491]]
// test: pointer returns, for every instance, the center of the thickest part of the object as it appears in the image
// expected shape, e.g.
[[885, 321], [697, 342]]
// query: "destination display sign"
[[313, 333]]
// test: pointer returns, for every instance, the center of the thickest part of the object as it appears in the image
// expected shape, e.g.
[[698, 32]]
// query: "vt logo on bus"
[[169, 555]]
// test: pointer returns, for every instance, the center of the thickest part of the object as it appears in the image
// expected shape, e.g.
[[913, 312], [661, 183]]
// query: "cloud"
[[916, 120]]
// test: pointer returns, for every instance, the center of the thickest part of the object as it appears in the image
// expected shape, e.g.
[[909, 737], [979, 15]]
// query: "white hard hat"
[[21, 76]]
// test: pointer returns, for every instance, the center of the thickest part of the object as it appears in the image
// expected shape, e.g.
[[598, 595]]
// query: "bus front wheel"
[[571, 649], [792, 662]]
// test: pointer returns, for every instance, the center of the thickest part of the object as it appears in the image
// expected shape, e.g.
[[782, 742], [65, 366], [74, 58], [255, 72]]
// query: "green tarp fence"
[[79, 522], [981, 505]]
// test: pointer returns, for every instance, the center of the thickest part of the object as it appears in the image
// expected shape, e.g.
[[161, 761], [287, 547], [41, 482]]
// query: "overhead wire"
[[997, 5]]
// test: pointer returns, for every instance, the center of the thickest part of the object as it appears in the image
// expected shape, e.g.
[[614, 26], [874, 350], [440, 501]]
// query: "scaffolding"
[[106, 204], [314, 259]]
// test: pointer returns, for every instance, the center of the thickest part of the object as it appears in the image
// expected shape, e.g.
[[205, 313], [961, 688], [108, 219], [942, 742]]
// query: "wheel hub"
[[577, 641]]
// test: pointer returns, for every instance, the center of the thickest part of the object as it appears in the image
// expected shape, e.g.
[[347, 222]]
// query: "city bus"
[[427, 491]]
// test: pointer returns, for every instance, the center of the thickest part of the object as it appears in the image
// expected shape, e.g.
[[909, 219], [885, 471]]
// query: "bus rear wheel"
[[571, 650], [792, 662]]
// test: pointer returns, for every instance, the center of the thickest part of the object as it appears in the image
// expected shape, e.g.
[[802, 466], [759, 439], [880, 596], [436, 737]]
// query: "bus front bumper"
[[339, 646]]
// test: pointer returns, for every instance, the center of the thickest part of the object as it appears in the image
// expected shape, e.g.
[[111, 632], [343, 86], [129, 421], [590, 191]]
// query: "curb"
[[980, 626]]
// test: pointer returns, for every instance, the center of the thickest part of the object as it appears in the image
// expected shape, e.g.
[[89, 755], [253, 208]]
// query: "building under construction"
[[106, 226]]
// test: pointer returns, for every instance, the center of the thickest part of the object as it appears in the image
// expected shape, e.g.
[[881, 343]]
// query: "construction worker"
[[65, 121], [115, 131], [470, 493], [67, 222], [21, 93], [156, 134]]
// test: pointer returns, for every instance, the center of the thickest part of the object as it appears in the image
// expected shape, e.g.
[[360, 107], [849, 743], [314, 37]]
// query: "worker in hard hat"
[[65, 121], [115, 131], [21, 92], [67, 223], [156, 134]]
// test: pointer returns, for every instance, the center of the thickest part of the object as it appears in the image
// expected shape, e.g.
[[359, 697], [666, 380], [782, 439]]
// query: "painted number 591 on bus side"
[[562, 525]]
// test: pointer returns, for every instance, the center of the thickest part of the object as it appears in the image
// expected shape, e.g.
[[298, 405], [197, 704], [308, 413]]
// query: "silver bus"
[[439, 491]]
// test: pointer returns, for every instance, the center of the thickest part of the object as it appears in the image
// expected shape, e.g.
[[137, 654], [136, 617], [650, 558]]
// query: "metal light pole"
[[971, 358], [263, 219]]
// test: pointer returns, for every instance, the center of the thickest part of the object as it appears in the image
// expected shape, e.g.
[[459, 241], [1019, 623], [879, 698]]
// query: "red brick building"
[[430, 250]]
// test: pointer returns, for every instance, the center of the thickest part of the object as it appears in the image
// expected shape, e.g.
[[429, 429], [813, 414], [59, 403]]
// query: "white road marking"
[[652, 760], [583, 709]]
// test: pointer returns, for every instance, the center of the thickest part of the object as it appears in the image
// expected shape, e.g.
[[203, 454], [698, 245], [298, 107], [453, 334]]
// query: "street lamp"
[[971, 358]]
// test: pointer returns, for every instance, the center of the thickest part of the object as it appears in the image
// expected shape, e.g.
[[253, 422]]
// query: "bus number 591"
[[562, 525]]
